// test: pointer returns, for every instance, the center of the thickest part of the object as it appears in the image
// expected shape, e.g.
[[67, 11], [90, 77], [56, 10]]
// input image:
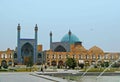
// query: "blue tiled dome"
[[73, 38]]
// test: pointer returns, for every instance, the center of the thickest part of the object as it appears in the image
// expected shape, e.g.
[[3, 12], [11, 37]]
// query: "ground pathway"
[[28, 77], [21, 77]]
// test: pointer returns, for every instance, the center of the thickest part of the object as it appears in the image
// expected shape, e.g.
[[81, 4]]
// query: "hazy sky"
[[95, 22]]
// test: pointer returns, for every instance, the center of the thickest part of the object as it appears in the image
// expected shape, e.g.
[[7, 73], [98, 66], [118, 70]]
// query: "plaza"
[[59, 41], [20, 77], [44, 77]]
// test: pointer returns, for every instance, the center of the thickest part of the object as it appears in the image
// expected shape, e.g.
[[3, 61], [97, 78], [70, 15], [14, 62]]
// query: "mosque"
[[69, 46], [28, 49]]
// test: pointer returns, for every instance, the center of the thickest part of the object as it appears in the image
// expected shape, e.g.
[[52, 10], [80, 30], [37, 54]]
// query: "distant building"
[[28, 49], [6, 57], [71, 47], [111, 57]]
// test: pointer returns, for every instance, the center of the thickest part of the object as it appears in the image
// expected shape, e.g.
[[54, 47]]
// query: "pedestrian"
[[42, 69], [45, 67]]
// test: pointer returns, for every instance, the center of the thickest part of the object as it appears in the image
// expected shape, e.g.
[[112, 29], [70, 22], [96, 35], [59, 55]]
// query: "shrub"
[[3, 70], [95, 66], [81, 65], [102, 64], [5, 66], [71, 63], [106, 64]]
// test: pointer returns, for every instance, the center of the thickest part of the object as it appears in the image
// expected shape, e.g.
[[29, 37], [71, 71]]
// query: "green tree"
[[81, 65], [71, 63], [102, 64], [5, 66], [106, 64]]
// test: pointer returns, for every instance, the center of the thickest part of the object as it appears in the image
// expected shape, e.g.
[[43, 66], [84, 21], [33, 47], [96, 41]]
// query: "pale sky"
[[94, 22]]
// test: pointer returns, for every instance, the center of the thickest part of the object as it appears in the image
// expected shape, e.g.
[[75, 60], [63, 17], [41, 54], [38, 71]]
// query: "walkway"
[[21, 77], [32, 76]]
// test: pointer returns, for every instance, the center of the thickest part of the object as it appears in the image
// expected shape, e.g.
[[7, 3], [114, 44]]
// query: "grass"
[[18, 69], [3, 70]]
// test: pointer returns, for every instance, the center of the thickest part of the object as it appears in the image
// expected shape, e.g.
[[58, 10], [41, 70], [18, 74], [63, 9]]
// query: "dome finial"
[[18, 27], [18, 24], [50, 33], [69, 32], [36, 27]]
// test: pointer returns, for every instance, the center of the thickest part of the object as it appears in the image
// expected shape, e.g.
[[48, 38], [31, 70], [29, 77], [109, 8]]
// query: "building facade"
[[28, 49], [71, 47], [7, 57]]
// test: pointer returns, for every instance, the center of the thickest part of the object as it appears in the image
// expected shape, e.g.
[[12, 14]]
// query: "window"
[[93, 56], [105, 57], [47, 56], [80, 57], [112, 57], [3, 56], [10, 56], [99, 56], [53, 56], [67, 56], [87, 56], [6, 56], [60, 57]]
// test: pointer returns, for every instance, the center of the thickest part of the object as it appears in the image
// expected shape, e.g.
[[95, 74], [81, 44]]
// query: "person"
[[42, 69], [45, 67]]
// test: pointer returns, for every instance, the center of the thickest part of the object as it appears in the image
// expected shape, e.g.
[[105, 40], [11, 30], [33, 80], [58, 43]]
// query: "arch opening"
[[60, 49]]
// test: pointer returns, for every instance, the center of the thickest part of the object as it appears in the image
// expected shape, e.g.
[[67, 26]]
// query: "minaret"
[[18, 44], [50, 40], [69, 33], [35, 45]]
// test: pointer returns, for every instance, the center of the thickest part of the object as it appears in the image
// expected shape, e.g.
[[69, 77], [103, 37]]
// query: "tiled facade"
[[26, 47]]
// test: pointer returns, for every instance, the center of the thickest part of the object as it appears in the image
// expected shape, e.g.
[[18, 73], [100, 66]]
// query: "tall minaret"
[[18, 44], [35, 46], [69, 33], [50, 40]]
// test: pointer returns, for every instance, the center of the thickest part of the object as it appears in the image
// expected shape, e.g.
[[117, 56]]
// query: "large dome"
[[73, 38]]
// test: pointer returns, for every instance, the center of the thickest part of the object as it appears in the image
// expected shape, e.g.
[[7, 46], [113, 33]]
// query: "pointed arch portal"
[[60, 49], [27, 52]]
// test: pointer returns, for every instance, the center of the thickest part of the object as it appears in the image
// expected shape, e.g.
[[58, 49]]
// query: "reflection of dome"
[[73, 38]]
